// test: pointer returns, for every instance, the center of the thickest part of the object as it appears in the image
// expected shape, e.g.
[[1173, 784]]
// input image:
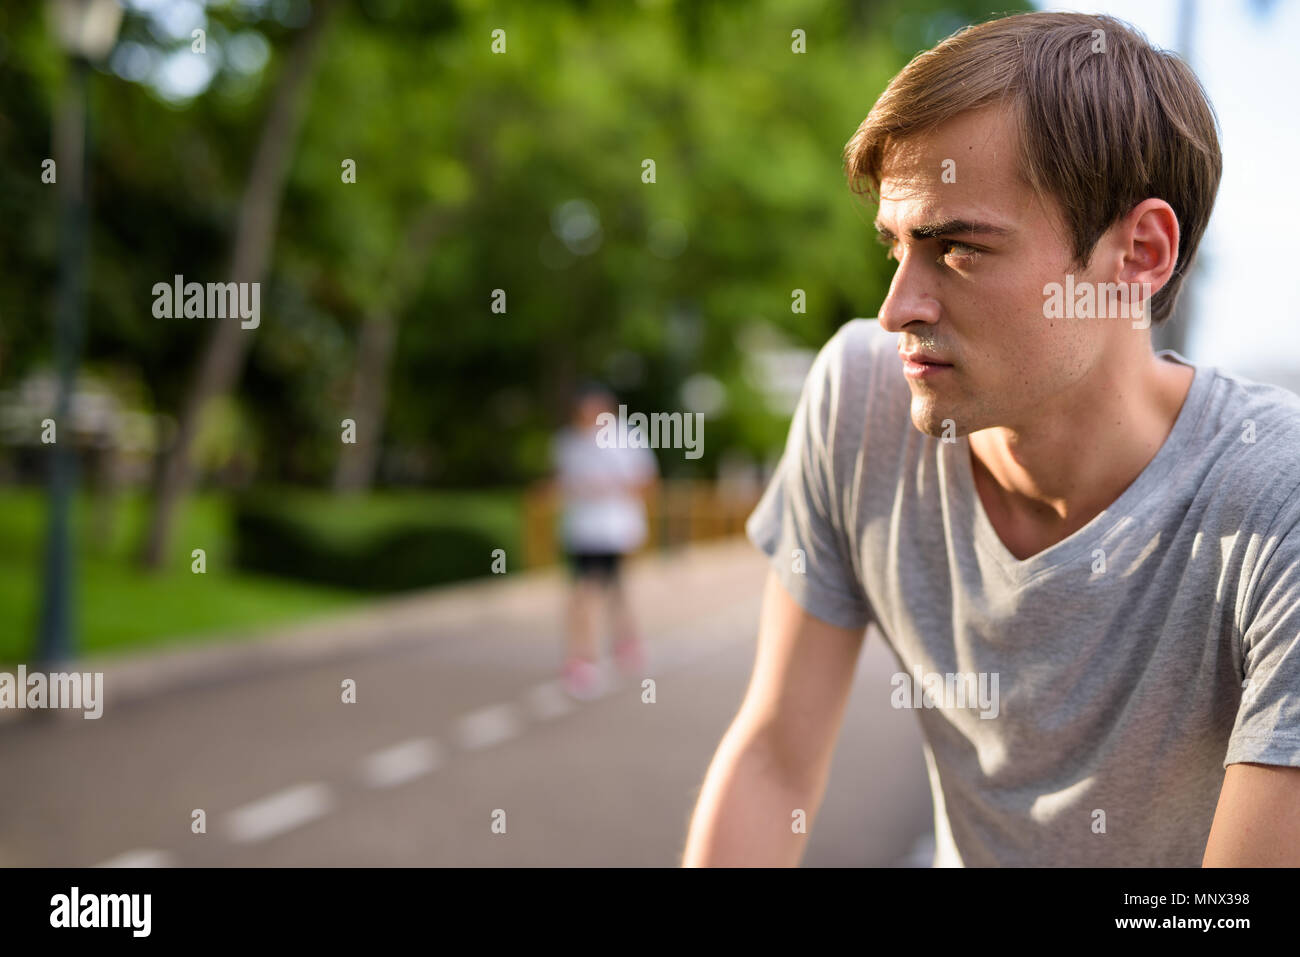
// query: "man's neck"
[[1041, 484]]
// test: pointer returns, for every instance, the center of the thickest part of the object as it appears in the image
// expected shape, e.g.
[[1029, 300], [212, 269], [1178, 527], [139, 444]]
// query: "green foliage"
[[749, 203], [387, 544]]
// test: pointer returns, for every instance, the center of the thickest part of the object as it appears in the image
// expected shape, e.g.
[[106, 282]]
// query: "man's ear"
[[1148, 244]]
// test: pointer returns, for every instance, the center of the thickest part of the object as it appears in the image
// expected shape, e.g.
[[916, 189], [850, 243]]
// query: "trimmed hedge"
[[298, 536]]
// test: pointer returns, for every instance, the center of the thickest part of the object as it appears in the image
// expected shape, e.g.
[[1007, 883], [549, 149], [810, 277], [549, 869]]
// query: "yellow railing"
[[677, 512]]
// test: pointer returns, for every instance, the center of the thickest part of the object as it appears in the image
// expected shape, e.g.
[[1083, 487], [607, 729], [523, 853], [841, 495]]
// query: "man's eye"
[[961, 250], [948, 247]]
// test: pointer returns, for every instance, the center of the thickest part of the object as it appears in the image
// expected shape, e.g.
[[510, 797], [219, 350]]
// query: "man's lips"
[[921, 364], [922, 357]]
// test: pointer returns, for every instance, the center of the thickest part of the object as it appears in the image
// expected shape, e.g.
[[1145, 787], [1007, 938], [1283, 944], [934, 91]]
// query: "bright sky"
[[1243, 51]]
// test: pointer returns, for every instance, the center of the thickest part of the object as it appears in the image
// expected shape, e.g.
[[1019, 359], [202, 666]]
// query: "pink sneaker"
[[581, 679], [630, 655]]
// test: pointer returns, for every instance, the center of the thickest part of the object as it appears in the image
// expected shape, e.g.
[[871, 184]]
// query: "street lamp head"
[[86, 29]]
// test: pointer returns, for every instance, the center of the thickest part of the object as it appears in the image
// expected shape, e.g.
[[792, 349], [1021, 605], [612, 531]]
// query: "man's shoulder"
[[1263, 418], [859, 338], [857, 389], [856, 362], [1251, 443], [1274, 401]]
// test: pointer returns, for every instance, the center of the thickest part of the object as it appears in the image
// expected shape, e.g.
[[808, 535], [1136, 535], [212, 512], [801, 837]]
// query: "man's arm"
[[1257, 822], [776, 755]]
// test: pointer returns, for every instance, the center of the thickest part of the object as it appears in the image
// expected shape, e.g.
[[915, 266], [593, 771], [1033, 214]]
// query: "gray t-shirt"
[[1134, 660]]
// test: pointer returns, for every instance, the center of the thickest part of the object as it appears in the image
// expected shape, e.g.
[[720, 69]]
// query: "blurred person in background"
[[602, 486]]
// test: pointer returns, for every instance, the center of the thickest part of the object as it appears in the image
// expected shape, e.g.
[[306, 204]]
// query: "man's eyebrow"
[[947, 227]]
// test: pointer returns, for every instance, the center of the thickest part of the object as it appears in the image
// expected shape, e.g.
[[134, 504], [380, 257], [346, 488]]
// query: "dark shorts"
[[600, 566]]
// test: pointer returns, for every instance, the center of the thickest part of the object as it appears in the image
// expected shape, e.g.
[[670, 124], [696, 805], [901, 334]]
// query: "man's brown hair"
[[1106, 121]]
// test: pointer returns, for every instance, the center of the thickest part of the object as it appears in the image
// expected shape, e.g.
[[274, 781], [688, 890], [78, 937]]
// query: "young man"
[[1024, 499]]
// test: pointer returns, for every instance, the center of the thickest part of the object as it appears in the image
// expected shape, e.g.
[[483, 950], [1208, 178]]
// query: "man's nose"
[[910, 296]]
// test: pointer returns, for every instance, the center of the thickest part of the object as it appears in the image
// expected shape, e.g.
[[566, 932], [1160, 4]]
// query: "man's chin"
[[927, 427], [939, 423]]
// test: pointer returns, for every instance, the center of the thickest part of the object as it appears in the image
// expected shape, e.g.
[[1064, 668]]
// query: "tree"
[[223, 358]]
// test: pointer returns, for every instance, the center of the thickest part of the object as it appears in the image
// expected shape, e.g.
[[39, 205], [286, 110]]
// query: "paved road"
[[457, 719]]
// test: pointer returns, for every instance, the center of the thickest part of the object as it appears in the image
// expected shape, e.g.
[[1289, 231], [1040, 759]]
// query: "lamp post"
[[86, 31]]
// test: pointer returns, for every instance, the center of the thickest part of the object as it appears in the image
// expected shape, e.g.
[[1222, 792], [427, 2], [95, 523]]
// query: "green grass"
[[121, 607]]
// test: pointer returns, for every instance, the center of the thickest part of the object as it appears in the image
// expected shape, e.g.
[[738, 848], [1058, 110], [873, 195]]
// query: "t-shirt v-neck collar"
[[970, 510]]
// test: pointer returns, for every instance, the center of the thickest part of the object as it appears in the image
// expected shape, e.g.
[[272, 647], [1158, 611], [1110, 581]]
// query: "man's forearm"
[[745, 813]]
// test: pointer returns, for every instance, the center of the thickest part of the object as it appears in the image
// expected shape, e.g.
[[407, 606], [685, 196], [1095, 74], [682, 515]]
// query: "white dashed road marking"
[[548, 700], [140, 858], [292, 807], [487, 726], [282, 811], [401, 763]]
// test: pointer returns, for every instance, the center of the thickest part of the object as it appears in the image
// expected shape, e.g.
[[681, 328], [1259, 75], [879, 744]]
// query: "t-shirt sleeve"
[[644, 465], [557, 452], [798, 521], [1267, 730]]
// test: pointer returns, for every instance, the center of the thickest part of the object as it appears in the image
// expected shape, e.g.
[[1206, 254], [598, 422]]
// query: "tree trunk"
[[223, 358], [356, 465], [355, 471]]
